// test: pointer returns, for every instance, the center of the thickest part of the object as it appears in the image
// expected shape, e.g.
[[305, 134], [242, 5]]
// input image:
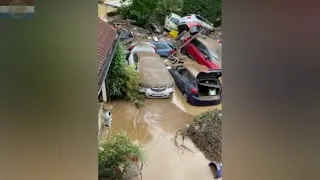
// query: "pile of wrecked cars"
[[198, 79]]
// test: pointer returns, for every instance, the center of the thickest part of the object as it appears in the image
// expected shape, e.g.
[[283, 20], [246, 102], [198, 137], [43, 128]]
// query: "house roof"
[[117, 3], [106, 37], [7, 2]]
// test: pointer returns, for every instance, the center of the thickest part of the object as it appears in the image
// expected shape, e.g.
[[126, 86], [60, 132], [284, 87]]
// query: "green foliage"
[[123, 79], [209, 9], [116, 73], [146, 11], [116, 152], [209, 115], [131, 77]]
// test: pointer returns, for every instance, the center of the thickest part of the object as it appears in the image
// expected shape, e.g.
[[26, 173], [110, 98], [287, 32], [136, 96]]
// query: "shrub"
[[209, 9], [117, 153], [123, 79], [131, 77], [116, 73]]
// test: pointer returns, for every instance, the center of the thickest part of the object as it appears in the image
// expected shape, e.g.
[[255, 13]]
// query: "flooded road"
[[154, 126]]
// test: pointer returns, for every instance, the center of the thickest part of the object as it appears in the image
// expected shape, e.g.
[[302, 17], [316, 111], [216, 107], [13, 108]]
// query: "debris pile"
[[205, 133]]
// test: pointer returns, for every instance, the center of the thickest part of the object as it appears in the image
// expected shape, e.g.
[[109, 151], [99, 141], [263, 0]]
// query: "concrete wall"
[[100, 121], [102, 10]]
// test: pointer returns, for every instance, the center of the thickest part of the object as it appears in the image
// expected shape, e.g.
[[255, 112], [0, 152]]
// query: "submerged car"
[[199, 52], [198, 84], [155, 80]]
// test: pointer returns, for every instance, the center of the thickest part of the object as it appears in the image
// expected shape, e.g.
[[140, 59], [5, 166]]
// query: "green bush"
[[116, 73], [123, 79], [131, 78], [146, 11], [116, 153]]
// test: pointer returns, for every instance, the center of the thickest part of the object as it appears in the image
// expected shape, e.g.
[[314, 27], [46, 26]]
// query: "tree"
[[146, 11], [139, 10], [209, 9]]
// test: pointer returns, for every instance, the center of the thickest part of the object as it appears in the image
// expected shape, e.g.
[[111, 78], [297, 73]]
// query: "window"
[[181, 70], [205, 53], [160, 46], [214, 56], [174, 20], [203, 19], [199, 45], [136, 61], [199, 17], [187, 75], [135, 58], [196, 43]]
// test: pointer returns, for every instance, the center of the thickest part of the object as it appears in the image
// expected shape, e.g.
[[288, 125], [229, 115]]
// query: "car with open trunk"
[[198, 84]]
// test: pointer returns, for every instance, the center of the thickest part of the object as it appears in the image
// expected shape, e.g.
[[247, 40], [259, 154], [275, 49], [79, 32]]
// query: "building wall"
[[111, 9], [100, 121], [102, 10]]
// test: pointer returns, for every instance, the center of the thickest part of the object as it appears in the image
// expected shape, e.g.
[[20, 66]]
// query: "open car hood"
[[213, 73]]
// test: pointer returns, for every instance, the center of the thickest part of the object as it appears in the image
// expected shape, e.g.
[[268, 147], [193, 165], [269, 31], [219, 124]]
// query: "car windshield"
[[174, 20]]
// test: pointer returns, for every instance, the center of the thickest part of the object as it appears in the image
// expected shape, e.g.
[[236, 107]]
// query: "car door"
[[176, 73], [204, 57], [171, 22], [196, 53], [162, 49], [191, 49], [204, 22], [187, 82]]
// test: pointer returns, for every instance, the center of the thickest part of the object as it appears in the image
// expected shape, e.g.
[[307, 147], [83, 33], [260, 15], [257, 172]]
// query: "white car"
[[196, 20], [137, 47], [172, 21]]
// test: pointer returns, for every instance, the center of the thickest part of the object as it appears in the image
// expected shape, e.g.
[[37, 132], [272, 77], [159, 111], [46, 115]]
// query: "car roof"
[[175, 16], [194, 68], [153, 71]]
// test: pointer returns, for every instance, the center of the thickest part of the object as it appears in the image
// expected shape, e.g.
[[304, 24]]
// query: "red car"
[[197, 51]]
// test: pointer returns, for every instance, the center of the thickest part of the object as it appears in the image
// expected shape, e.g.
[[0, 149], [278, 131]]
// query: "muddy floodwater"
[[154, 126]]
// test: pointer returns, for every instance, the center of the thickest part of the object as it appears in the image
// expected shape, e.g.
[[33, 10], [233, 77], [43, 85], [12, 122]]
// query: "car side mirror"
[[205, 56]]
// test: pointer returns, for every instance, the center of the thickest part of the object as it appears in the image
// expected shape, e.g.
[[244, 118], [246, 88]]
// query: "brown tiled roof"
[[106, 36], [7, 2]]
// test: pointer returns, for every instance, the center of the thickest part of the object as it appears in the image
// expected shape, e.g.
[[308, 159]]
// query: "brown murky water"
[[155, 126]]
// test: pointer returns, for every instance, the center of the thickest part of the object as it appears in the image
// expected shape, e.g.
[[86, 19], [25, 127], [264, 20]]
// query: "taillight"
[[172, 51], [194, 91]]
